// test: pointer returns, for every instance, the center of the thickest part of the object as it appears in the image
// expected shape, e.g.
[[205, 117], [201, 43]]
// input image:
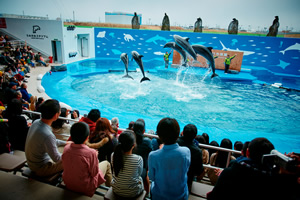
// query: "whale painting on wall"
[[281, 55]]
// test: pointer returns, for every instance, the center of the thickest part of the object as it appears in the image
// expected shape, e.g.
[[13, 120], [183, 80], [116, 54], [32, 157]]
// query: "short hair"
[[79, 132], [238, 145], [14, 107], [189, 132], [258, 147], [94, 115], [168, 130], [114, 121], [200, 139], [49, 108]]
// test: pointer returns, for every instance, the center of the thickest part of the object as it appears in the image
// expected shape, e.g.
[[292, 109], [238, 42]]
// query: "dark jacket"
[[196, 167]]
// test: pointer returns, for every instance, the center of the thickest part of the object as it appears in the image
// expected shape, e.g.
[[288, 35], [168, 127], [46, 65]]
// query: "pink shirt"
[[81, 169]]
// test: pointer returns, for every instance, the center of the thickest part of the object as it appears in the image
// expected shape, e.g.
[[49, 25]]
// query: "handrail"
[[38, 113]]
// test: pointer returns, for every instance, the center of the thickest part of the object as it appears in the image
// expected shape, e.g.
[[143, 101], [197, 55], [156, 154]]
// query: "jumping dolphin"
[[124, 58], [184, 44], [177, 48], [138, 59], [207, 54]]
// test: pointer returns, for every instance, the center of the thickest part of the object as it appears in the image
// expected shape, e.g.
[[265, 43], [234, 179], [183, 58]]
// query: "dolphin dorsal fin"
[[209, 48], [140, 56], [187, 39]]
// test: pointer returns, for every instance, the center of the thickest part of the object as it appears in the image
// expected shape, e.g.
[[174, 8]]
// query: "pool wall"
[[269, 58]]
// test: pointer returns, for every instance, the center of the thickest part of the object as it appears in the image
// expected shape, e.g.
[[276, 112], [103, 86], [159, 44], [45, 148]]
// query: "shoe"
[[27, 76], [25, 81]]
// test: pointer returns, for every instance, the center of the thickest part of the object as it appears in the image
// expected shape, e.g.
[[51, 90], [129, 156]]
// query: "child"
[[128, 168], [168, 166], [82, 171]]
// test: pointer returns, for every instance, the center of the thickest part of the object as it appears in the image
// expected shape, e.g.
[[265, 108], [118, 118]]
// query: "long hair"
[[139, 128], [102, 130], [60, 122], [222, 156], [126, 141]]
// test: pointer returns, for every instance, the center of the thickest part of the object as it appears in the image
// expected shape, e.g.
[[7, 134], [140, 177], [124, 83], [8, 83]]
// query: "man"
[[25, 95], [168, 166], [166, 59], [228, 62], [91, 119], [187, 140], [41, 150], [250, 179]]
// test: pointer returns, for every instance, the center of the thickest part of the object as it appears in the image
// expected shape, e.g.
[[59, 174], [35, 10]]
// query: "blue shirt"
[[168, 169]]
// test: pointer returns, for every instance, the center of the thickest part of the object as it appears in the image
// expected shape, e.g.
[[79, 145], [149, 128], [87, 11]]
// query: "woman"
[[143, 148], [102, 139], [60, 127], [219, 159], [127, 168], [17, 125]]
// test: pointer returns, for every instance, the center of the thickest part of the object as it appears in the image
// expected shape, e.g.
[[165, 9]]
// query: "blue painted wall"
[[280, 55]]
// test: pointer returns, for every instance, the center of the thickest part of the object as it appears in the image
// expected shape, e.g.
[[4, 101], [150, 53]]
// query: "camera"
[[280, 160]]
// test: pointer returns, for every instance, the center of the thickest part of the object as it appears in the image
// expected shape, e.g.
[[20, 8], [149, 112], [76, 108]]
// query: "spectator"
[[10, 92], [219, 159], [88, 173], [17, 54], [17, 125], [143, 148], [38, 58], [130, 125], [38, 103], [187, 140], [238, 146], [25, 95], [33, 101], [244, 152], [212, 151], [60, 127], [102, 139], [252, 176], [128, 167], [206, 137], [91, 119], [205, 155], [115, 125], [168, 166], [41, 150]]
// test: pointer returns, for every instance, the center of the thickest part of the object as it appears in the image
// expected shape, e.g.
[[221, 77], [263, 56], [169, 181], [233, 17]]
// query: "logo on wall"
[[36, 28]]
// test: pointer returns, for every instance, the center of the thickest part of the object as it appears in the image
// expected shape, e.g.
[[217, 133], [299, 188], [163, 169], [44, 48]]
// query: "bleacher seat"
[[12, 162], [52, 180], [111, 196]]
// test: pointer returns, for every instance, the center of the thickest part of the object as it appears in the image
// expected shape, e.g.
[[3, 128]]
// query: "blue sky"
[[252, 14]]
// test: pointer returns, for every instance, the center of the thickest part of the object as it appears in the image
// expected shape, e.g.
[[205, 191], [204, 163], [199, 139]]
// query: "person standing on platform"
[[228, 62], [166, 59]]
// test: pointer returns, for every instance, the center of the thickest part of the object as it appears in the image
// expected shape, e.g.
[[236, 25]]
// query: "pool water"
[[234, 110]]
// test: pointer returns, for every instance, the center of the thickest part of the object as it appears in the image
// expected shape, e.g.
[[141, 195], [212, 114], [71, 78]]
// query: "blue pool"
[[230, 106]]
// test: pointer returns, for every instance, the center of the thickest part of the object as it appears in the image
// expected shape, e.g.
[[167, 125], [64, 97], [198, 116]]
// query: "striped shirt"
[[129, 182]]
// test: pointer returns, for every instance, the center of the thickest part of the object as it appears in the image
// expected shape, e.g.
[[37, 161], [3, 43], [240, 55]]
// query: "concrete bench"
[[111, 196], [12, 162], [52, 180]]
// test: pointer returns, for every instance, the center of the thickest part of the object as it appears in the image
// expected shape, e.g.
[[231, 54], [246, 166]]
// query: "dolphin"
[[177, 48], [184, 44], [138, 59], [207, 54], [293, 47], [124, 58]]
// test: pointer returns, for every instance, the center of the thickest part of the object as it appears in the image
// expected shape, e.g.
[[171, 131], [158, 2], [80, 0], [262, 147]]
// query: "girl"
[[127, 168]]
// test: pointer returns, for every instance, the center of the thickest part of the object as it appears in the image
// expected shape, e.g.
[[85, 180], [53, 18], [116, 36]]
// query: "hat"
[[11, 84]]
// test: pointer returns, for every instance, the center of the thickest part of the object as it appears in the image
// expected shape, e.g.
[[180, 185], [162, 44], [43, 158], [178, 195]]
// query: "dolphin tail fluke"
[[145, 79], [282, 52], [214, 75], [127, 76]]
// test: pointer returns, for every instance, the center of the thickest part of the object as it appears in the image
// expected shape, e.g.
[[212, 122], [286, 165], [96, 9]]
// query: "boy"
[[168, 166], [82, 171]]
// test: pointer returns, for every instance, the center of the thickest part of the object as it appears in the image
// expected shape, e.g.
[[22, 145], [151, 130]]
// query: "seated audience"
[[127, 168], [60, 127], [251, 179], [212, 151], [38, 58], [91, 119], [168, 166], [89, 173], [238, 146], [219, 159], [115, 125], [187, 140], [143, 148], [205, 155], [25, 95], [102, 138], [41, 145], [17, 125]]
